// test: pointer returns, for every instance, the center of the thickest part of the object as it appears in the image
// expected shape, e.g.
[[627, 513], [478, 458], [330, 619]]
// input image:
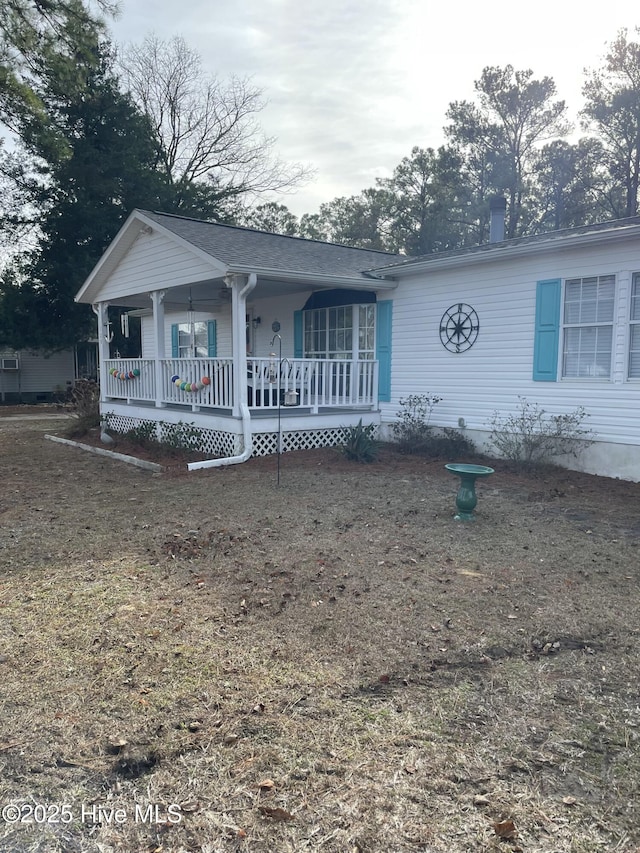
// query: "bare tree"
[[206, 128]]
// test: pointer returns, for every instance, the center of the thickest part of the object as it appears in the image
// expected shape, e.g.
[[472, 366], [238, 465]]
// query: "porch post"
[[354, 383], [104, 339], [157, 298], [240, 285]]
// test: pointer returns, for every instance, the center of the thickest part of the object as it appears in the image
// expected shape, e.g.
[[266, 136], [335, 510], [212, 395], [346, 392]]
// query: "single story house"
[[256, 338], [37, 377]]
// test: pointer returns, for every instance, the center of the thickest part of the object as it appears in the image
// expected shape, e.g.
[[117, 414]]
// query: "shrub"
[[144, 434], [181, 437], [359, 444], [85, 408], [530, 437], [412, 430], [174, 438], [449, 443]]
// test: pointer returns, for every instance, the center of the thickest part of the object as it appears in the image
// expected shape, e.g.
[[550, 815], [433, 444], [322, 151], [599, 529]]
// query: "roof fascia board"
[[316, 278], [506, 252]]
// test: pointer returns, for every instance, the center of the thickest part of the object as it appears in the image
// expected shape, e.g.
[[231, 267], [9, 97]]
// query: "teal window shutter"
[[547, 331], [383, 348], [212, 339], [297, 335], [174, 340]]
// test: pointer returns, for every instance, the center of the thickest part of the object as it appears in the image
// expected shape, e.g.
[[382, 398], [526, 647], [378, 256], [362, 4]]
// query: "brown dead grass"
[[331, 665]]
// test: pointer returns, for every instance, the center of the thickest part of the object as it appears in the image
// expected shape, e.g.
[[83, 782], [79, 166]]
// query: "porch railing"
[[208, 382], [130, 379], [205, 382], [195, 382], [312, 383]]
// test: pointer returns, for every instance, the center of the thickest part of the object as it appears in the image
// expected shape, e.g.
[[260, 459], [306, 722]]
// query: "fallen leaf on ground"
[[276, 814], [505, 829], [266, 785]]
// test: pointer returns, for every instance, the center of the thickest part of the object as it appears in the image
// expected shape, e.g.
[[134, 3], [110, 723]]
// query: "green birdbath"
[[466, 498]]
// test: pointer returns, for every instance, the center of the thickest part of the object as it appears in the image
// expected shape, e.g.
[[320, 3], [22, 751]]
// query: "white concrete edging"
[[99, 451]]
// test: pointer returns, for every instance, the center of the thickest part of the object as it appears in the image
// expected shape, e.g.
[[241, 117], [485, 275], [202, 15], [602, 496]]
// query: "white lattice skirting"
[[217, 443]]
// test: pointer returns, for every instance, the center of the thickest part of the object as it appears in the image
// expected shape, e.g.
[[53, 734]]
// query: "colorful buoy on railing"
[[183, 385], [117, 374]]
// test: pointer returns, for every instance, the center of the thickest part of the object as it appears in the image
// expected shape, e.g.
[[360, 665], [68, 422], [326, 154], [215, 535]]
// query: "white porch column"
[[157, 298], [241, 285], [101, 310]]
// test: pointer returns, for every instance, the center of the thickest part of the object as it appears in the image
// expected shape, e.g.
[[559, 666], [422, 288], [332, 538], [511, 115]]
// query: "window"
[[366, 331], [634, 330], [332, 332], [315, 333], [192, 340], [588, 327]]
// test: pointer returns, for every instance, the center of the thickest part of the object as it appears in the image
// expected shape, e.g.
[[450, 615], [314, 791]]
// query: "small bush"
[[359, 444], [181, 437], [530, 437], [412, 431], [449, 443], [85, 408], [174, 438], [143, 434]]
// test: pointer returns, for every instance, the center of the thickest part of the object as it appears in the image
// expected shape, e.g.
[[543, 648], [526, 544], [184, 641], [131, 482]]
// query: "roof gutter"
[[490, 252], [372, 283], [238, 313]]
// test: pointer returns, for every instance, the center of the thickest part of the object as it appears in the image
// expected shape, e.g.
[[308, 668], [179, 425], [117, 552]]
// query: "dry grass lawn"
[[209, 662]]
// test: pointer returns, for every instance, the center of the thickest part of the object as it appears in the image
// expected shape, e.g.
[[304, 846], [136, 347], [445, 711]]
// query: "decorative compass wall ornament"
[[459, 327]]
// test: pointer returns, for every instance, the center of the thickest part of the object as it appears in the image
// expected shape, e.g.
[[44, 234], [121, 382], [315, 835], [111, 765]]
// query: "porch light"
[[275, 326]]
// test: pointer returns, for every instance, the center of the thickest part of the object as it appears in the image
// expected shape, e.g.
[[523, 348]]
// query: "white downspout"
[[238, 314]]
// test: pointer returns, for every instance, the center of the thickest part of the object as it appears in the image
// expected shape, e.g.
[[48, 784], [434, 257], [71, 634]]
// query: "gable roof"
[[234, 249], [566, 237], [246, 247]]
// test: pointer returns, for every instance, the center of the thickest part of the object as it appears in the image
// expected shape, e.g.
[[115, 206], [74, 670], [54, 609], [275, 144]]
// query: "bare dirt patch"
[[333, 664]]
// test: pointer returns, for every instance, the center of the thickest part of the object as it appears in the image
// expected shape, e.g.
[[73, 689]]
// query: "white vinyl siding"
[[155, 262], [497, 369], [634, 330], [588, 327]]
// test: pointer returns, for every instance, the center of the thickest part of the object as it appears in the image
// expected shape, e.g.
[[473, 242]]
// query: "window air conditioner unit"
[[10, 364]]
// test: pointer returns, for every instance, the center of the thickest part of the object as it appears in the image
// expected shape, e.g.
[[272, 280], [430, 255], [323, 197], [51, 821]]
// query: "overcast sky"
[[353, 85]]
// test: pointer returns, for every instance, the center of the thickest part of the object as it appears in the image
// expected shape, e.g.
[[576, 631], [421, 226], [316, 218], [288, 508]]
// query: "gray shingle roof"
[[245, 247], [545, 238]]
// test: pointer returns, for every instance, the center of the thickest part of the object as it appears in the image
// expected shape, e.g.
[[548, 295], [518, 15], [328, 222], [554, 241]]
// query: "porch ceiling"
[[212, 294]]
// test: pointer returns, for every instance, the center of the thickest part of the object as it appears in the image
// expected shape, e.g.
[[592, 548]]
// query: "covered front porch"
[[290, 404], [259, 341], [207, 384]]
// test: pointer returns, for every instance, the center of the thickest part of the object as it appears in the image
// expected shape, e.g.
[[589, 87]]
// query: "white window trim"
[[612, 324], [634, 280]]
